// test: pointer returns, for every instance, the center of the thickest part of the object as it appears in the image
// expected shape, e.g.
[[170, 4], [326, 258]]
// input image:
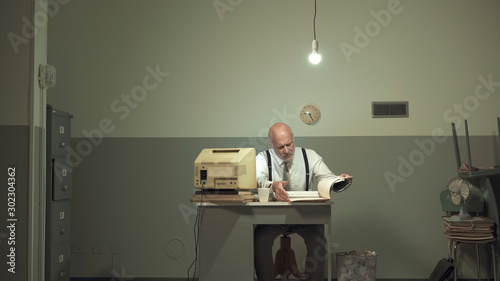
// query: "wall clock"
[[309, 114]]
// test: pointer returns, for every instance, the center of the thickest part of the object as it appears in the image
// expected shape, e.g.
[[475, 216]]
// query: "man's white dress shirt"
[[297, 181]]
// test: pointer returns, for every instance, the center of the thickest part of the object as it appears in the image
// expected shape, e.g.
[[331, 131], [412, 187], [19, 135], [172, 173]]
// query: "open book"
[[337, 184]]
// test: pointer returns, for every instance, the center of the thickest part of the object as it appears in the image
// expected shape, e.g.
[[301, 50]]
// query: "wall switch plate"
[[78, 249], [116, 249], [99, 249]]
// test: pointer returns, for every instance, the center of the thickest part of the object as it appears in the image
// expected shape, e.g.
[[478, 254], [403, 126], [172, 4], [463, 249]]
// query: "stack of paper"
[[242, 197], [305, 196], [475, 230], [337, 184]]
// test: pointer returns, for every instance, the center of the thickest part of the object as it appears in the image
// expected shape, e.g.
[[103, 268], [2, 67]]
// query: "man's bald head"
[[281, 141]]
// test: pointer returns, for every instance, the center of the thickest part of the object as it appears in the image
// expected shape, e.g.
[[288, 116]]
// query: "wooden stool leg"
[[285, 263]]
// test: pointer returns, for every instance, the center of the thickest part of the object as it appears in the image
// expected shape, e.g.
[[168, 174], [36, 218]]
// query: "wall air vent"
[[389, 109]]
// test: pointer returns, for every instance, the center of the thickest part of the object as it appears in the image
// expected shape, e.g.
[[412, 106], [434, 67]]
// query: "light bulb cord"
[[314, 20]]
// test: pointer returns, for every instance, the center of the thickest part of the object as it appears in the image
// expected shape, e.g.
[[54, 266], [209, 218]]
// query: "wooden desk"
[[226, 234]]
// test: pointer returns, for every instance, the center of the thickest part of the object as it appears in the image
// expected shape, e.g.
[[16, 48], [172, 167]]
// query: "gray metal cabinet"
[[58, 199]]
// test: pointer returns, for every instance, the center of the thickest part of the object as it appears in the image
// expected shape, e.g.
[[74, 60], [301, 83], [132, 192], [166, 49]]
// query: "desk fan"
[[459, 193]]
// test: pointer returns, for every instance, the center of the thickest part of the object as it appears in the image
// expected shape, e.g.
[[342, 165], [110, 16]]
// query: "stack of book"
[[475, 230]]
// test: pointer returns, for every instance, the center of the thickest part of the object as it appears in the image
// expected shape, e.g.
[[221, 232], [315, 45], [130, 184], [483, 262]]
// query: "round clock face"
[[309, 114]]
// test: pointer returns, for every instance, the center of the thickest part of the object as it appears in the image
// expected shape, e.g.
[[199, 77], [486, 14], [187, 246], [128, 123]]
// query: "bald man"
[[288, 172]]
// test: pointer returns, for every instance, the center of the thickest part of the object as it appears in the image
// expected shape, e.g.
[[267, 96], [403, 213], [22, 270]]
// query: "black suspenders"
[[270, 168], [307, 167]]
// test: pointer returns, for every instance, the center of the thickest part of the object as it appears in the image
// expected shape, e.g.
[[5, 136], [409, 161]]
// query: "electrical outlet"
[[79, 249], [99, 249]]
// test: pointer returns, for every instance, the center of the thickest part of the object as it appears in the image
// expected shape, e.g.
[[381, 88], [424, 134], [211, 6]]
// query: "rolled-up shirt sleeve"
[[261, 168], [318, 167]]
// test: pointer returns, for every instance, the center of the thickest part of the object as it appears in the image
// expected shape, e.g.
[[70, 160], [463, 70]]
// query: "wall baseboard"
[[196, 279]]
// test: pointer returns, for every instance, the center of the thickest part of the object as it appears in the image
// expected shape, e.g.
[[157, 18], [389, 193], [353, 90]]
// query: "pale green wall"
[[16, 67], [228, 77], [233, 74]]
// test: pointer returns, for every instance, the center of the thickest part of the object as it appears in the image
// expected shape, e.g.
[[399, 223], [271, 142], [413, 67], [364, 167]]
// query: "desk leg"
[[329, 251], [328, 257]]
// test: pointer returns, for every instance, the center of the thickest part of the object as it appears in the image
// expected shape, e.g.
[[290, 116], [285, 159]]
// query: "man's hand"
[[347, 177], [279, 191]]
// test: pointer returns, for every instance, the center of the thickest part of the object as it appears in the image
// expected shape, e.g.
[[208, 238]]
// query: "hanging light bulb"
[[315, 57]]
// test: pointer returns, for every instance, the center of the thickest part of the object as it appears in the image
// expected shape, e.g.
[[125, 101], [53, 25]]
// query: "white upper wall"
[[231, 68]]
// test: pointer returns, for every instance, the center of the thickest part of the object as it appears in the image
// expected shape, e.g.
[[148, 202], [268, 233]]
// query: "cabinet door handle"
[[65, 187], [63, 144], [62, 273], [62, 231]]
